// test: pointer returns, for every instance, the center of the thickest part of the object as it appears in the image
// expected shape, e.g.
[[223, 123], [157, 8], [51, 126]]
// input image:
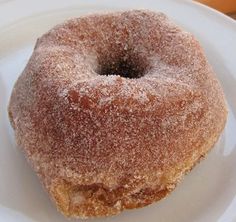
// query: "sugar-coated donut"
[[113, 109]]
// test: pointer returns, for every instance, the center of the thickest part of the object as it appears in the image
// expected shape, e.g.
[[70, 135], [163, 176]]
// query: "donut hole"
[[127, 68]]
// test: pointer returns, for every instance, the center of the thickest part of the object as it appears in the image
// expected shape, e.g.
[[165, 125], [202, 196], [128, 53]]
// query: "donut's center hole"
[[124, 68]]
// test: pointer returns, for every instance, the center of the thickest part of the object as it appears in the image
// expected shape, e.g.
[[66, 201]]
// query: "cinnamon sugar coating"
[[103, 139]]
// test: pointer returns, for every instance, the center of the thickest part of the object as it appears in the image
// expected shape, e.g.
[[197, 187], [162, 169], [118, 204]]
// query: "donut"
[[113, 109]]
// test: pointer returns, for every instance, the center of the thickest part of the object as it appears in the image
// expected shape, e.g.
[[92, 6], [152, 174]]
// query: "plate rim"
[[6, 4]]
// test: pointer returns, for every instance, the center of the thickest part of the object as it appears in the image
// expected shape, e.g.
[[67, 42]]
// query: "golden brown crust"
[[102, 144], [95, 200]]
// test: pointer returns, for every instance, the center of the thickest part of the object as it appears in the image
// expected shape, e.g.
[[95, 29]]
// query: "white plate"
[[208, 193]]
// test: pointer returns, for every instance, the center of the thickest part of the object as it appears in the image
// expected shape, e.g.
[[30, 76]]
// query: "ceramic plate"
[[208, 193]]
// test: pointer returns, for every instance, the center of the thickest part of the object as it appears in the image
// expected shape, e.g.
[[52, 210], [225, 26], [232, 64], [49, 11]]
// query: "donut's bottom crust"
[[83, 201]]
